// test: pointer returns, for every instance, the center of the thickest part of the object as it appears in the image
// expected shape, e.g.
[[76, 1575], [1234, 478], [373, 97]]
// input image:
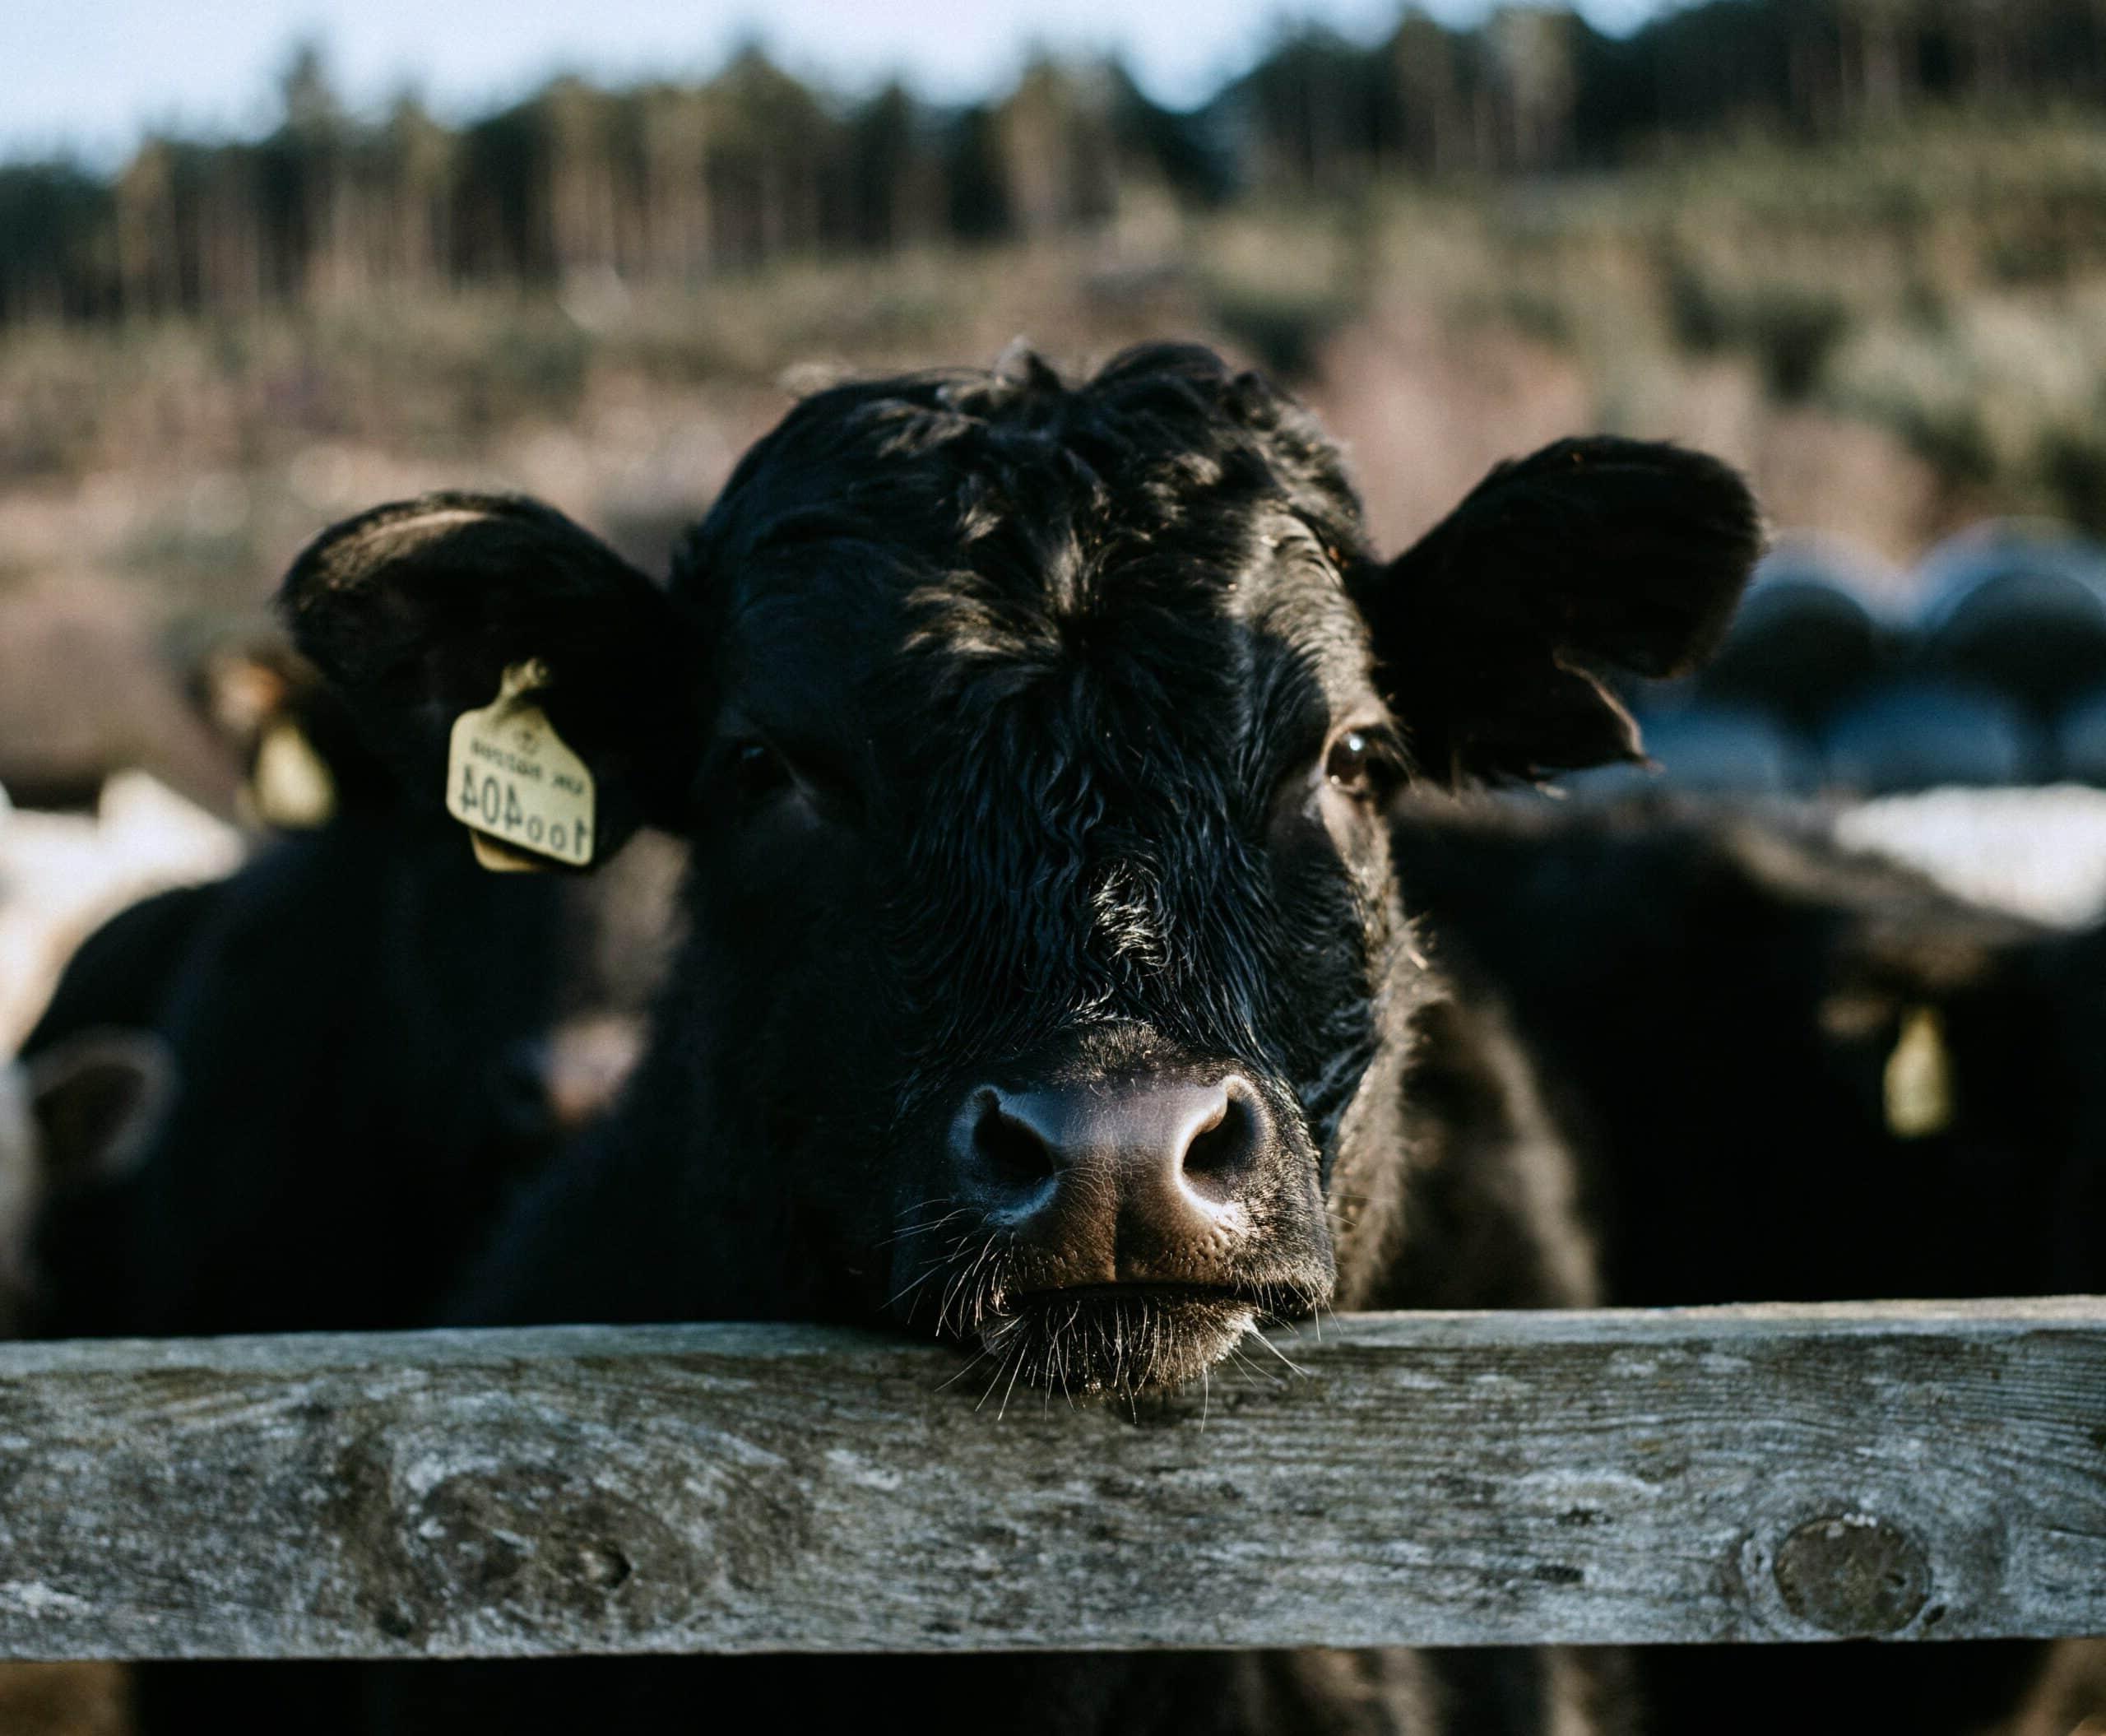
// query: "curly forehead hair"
[[1161, 436]]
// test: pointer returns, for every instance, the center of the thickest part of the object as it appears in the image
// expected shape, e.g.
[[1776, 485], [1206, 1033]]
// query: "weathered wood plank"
[[1920, 1470]]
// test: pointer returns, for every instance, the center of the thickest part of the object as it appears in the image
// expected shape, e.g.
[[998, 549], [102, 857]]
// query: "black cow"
[[1048, 985], [1813, 1025], [371, 1043], [348, 1021], [1789, 1074]]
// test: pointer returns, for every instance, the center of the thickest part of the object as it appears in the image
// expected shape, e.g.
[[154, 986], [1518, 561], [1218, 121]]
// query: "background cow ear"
[[1495, 632], [414, 611], [97, 1099]]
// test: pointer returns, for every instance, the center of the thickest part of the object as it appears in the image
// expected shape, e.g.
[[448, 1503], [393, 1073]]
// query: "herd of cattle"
[[1059, 917]]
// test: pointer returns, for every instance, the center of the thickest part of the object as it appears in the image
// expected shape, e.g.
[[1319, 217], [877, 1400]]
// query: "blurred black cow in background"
[[1797, 1073], [368, 1042], [1791, 1073], [1855, 1084]]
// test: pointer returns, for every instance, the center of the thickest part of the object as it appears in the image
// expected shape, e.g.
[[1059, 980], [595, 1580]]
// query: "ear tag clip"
[[525, 797]]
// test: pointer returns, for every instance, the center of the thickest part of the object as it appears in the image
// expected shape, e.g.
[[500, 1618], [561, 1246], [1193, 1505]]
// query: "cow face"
[[1047, 972]]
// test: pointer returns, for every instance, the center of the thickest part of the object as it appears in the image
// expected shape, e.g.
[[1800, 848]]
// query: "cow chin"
[[1119, 1340]]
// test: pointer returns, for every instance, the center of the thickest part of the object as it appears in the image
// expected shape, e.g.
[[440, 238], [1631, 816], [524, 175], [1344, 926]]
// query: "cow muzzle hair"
[[1122, 1233]]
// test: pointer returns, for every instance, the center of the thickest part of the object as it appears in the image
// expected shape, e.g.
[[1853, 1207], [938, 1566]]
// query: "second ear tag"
[[1919, 1078], [515, 783], [291, 785]]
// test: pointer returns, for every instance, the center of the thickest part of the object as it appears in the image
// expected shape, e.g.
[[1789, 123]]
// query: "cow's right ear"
[[416, 611]]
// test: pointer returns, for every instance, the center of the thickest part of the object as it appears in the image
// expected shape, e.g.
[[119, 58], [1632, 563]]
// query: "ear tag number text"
[[515, 783]]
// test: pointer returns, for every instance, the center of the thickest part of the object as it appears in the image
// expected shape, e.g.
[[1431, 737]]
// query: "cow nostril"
[[1010, 1152], [1075, 1160], [1219, 1144], [1220, 1150]]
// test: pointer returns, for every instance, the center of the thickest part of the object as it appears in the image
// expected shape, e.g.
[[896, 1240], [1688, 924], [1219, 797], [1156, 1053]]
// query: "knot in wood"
[[1853, 1575], [599, 1564]]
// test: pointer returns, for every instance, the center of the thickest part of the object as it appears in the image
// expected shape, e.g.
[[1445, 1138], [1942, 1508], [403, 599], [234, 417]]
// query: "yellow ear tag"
[[1918, 1082], [513, 781], [290, 786]]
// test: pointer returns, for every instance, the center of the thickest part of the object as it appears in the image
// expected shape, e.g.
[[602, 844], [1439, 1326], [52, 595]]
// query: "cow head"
[[1047, 974]]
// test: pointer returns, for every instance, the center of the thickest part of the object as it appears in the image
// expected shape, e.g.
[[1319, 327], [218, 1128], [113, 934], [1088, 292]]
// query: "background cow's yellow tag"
[[513, 780], [1918, 1082], [291, 786]]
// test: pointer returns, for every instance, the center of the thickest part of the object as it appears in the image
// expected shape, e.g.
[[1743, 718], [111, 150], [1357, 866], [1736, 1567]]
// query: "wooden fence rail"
[[1916, 1471]]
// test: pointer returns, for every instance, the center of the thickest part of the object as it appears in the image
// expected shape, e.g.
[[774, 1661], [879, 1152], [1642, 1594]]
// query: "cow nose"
[[1114, 1178]]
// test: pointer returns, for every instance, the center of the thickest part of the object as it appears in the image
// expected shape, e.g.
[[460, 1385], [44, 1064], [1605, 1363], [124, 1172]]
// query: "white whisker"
[[1280, 1353]]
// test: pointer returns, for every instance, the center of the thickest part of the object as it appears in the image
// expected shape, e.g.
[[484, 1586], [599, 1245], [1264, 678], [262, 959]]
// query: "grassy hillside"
[[1895, 337]]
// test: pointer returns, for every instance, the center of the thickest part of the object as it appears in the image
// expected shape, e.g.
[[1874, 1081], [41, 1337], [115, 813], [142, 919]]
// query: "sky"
[[88, 76]]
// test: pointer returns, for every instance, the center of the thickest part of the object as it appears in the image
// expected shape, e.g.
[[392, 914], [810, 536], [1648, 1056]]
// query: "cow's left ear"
[[415, 612], [1495, 633]]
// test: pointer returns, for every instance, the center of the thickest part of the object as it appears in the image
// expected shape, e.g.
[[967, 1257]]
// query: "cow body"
[[1728, 1014]]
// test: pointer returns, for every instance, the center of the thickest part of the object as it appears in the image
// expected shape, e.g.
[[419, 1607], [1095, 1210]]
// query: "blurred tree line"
[[667, 182]]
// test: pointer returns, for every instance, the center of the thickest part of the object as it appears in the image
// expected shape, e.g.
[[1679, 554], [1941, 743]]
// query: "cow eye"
[[757, 772], [1360, 763]]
